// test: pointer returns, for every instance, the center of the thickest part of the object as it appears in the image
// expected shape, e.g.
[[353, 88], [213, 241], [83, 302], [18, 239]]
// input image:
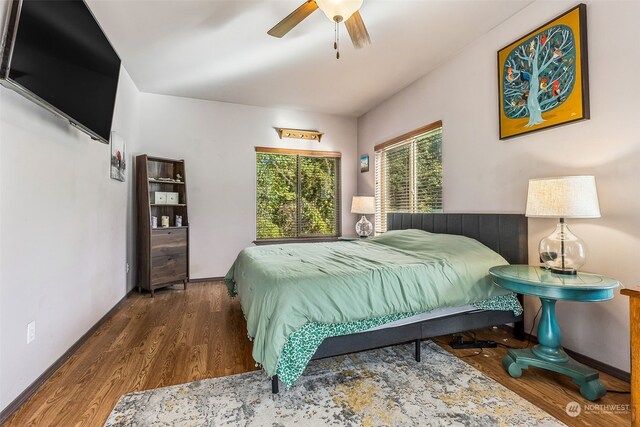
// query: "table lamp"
[[363, 205], [563, 197]]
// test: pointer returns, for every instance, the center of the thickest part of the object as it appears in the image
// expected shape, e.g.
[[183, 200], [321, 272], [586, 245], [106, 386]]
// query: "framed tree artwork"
[[543, 76]]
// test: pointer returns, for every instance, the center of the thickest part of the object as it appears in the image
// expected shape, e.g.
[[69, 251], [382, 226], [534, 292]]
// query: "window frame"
[[338, 178], [379, 188]]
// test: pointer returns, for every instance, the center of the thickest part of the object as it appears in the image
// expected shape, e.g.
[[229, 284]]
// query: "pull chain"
[[336, 43]]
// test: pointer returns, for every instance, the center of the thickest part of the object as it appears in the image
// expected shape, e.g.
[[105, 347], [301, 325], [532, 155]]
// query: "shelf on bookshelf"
[[167, 204], [156, 181], [168, 228]]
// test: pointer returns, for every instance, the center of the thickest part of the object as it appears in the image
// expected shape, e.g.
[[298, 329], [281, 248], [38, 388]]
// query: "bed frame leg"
[[418, 351], [518, 327], [274, 384], [518, 330]]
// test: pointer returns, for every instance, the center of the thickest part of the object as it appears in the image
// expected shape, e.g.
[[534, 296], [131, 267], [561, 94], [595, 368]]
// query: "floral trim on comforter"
[[303, 343]]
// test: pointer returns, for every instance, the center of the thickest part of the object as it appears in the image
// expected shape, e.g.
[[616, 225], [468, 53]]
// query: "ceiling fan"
[[337, 11]]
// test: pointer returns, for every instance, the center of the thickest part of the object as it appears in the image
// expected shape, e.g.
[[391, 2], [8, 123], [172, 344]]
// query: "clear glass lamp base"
[[562, 252], [364, 228]]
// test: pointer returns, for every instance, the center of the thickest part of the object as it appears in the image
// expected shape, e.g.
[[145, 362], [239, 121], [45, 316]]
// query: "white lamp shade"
[[363, 205], [341, 8], [563, 197]]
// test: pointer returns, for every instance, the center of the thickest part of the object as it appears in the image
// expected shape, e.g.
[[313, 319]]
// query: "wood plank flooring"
[[545, 389], [181, 336]]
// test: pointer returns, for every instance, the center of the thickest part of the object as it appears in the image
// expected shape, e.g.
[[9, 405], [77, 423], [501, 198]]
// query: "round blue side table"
[[551, 287]]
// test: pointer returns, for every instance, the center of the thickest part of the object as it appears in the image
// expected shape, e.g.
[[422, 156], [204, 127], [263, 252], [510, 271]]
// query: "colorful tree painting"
[[539, 74]]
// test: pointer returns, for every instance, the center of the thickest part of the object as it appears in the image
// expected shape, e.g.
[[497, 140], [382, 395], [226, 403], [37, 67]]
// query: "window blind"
[[297, 193], [409, 174]]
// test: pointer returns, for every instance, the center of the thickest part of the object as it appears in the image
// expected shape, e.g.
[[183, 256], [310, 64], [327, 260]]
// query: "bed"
[[310, 301]]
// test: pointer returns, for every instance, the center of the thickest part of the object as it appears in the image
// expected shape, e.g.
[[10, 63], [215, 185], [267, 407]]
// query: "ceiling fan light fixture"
[[339, 10]]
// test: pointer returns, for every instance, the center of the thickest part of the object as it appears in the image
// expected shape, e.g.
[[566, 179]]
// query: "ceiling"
[[220, 50]]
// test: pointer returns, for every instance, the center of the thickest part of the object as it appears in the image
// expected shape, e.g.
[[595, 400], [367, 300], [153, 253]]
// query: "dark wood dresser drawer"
[[169, 268], [172, 241]]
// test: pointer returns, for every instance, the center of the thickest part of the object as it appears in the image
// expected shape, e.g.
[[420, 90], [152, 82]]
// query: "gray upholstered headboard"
[[504, 233]]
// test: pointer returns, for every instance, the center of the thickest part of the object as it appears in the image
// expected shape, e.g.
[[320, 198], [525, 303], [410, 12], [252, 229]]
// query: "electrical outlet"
[[128, 268], [31, 332]]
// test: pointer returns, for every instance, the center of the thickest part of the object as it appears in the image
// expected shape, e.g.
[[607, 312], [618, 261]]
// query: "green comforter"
[[283, 287]]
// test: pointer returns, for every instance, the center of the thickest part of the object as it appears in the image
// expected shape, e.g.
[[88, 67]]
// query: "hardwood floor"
[[181, 336], [545, 389]]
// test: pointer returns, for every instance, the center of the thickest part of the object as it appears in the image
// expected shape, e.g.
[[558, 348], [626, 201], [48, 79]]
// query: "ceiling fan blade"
[[293, 19], [357, 31]]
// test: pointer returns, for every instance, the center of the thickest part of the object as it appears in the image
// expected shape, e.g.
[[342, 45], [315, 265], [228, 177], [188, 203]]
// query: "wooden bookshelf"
[[163, 252]]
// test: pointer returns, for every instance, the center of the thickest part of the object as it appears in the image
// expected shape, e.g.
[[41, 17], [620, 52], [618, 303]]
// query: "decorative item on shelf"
[[178, 220], [363, 205], [154, 222], [178, 177], [160, 197], [172, 198], [165, 221], [364, 163], [312, 135], [563, 197]]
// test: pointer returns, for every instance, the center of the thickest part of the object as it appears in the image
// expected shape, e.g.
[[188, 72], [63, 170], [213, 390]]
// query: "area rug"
[[383, 387]]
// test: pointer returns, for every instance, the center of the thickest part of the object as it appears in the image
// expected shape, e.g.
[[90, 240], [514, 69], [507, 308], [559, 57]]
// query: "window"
[[297, 194], [409, 174]]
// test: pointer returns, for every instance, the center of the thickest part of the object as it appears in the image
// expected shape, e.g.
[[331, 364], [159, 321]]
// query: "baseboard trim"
[[593, 363], [601, 366], [13, 407], [206, 279]]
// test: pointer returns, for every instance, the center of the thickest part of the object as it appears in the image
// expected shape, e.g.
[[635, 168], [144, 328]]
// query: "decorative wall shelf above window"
[[312, 135]]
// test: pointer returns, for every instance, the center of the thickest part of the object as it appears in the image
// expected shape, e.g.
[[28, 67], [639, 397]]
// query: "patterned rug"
[[384, 387]]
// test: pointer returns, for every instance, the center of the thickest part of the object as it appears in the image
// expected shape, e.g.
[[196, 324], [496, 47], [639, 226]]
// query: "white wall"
[[67, 230], [63, 220], [484, 174], [217, 141], [63, 245]]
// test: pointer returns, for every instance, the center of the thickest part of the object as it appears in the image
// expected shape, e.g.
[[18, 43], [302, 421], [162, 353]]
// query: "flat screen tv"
[[55, 53]]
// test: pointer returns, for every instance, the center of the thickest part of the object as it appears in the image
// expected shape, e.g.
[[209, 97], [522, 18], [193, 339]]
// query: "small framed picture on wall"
[[118, 162], [364, 163]]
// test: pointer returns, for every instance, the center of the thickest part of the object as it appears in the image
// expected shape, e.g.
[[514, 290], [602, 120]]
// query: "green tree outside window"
[[296, 196]]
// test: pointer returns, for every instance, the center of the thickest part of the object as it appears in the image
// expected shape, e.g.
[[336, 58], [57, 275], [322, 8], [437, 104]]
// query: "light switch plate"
[[31, 332]]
